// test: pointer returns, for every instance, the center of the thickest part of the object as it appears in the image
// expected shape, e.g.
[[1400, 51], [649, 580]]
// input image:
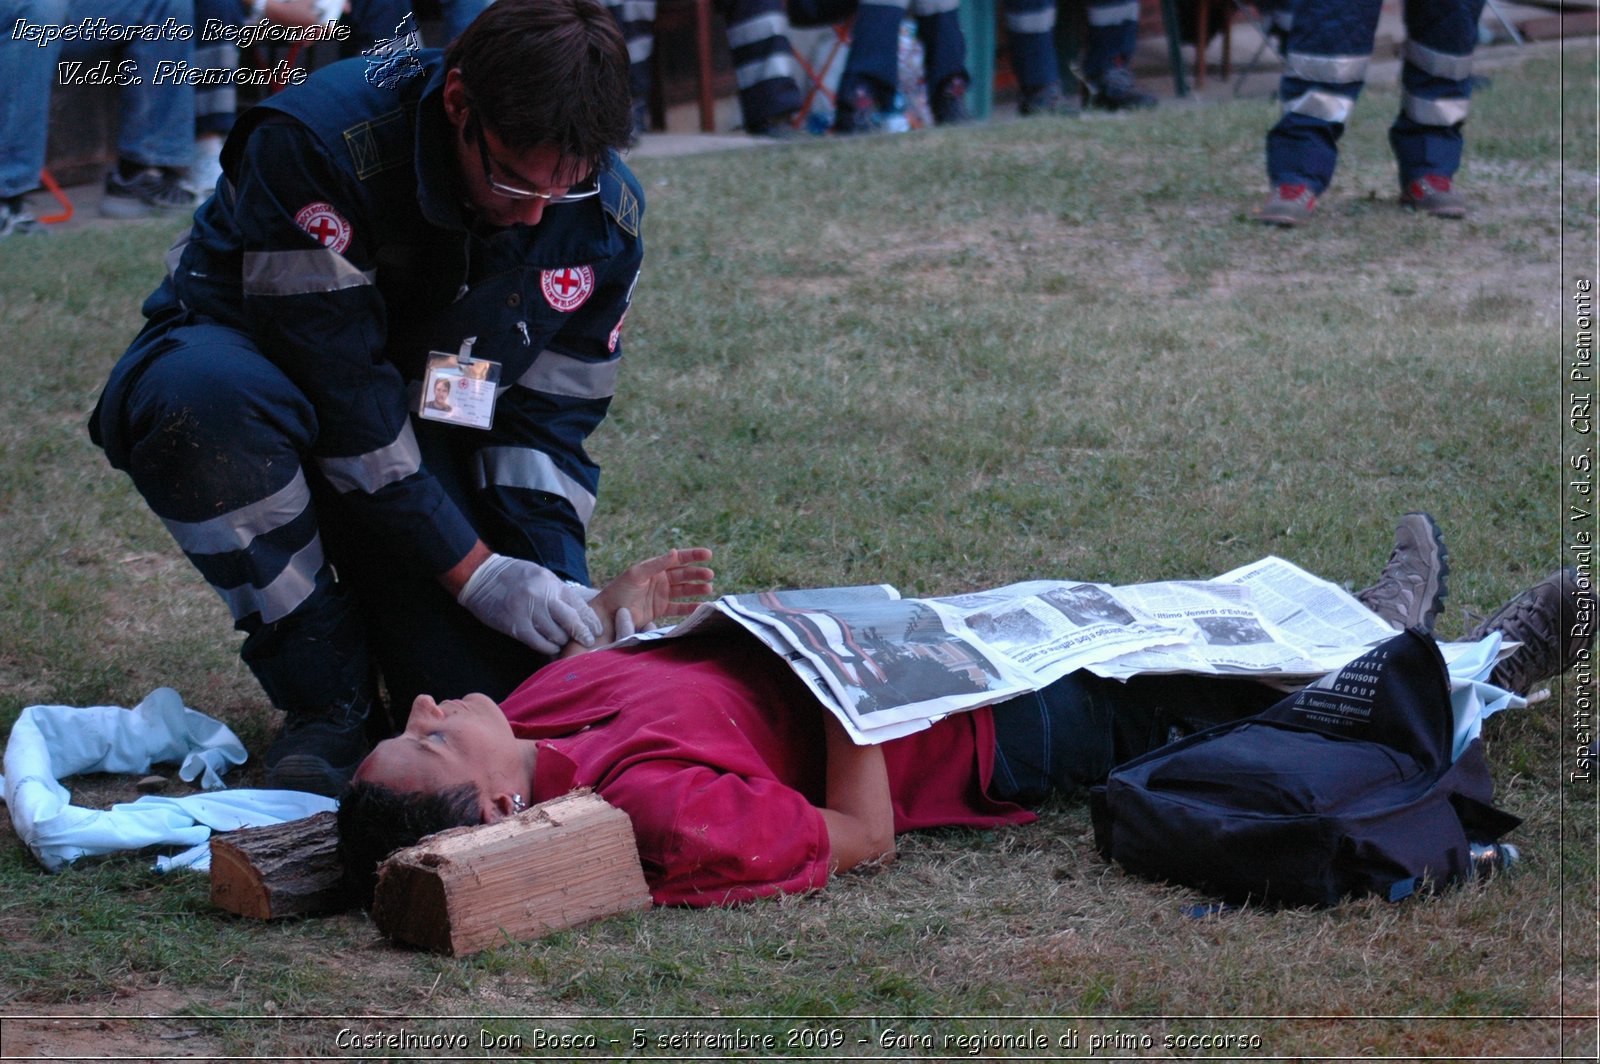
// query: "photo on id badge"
[[460, 391]]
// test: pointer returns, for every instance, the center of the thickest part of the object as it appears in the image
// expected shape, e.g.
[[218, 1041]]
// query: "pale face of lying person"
[[451, 743]]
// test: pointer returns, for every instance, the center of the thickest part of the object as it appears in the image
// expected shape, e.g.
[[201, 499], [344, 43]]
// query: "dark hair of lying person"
[[375, 821]]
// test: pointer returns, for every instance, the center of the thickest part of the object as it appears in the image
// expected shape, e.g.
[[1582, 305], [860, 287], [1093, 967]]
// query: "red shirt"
[[714, 748]]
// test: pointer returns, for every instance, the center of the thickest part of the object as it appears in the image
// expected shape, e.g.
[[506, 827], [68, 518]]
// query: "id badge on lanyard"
[[458, 388]]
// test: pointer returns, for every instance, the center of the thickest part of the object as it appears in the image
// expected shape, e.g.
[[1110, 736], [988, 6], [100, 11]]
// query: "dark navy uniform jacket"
[[338, 245]]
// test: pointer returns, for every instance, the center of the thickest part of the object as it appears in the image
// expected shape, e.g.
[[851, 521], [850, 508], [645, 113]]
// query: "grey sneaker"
[[15, 218], [1411, 588], [1288, 206], [1432, 194], [152, 191], [1554, 620]]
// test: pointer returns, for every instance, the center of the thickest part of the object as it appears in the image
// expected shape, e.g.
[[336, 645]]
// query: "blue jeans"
[[157, 126], [1069, 735]]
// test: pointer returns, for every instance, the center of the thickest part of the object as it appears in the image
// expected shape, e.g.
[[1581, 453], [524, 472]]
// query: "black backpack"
[[1343, 789]]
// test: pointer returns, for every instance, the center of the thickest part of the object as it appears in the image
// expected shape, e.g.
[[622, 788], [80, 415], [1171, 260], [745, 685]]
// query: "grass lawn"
[[942, 360]]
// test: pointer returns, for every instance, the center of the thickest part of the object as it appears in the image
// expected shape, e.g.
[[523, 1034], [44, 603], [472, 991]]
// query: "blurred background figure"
[[1327, 47], [763, 61]]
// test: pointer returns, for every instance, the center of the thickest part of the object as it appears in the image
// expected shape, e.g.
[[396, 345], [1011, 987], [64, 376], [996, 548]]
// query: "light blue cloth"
[[49, 743], [1473, 698]]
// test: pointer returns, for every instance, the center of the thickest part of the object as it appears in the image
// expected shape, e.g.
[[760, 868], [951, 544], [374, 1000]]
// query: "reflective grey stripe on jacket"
[[377, 468], [558, 374], [300, 272], [526, 467]]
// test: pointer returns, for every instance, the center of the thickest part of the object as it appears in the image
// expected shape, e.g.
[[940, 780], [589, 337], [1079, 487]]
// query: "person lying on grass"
[[741, 785]]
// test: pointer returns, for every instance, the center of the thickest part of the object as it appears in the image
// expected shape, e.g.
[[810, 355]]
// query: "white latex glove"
[[530, 604]]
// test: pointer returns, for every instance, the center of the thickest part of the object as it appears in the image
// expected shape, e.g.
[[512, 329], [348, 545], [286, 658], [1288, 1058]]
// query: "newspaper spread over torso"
[[888, 666]]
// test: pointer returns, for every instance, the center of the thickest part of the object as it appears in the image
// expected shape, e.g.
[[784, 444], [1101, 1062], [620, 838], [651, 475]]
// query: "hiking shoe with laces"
[[1554, 620], [1411, 588], [949, 103], [319, 752], [148, 192], [1045, 101], [1117, 92], [1432, 194], [1288, 206], [15, 218]]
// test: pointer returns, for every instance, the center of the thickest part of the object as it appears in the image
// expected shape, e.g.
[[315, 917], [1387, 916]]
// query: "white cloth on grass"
[[49, 743]]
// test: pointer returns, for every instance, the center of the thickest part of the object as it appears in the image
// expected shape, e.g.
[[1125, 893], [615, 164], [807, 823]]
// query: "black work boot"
[[314, 665], [319, 752]]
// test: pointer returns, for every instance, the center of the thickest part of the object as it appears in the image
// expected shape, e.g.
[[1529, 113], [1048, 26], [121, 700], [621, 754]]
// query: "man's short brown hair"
[[550, 72]]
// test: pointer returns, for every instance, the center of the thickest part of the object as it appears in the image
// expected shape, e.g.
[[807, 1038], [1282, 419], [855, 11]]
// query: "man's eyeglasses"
[[588, 189]]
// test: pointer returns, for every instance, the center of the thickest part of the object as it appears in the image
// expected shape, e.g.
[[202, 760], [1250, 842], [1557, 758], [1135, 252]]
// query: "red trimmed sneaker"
[[1431, 194], [1288, 206]]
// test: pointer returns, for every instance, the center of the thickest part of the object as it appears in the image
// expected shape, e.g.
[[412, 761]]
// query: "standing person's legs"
[[1031, 29], [763, 63], [27, 70], [1107, 62], [944, 49], [215, 106], [155, 135], [1435, 90], [1325, 66], [872, 67], [637, 20], [157, 120]]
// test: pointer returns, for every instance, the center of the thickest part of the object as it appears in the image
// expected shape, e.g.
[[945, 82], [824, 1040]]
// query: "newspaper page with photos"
[[887, 666]]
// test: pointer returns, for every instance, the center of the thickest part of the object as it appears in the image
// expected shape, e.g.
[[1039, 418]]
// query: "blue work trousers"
[[874, 59], [217, 439], [1327, 49]]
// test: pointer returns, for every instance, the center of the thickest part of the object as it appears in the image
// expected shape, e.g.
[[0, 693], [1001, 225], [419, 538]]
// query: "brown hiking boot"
[[1554, 620]]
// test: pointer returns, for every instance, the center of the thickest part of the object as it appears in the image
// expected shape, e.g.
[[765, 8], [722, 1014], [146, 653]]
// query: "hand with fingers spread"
[[668, 585]]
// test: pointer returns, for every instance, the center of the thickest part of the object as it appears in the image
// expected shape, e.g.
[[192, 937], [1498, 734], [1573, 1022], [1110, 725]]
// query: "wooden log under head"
[[562, 863], [289, 869]]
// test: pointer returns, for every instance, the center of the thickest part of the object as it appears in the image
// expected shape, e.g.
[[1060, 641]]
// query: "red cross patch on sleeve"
[[567, 288], [325, 225]]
